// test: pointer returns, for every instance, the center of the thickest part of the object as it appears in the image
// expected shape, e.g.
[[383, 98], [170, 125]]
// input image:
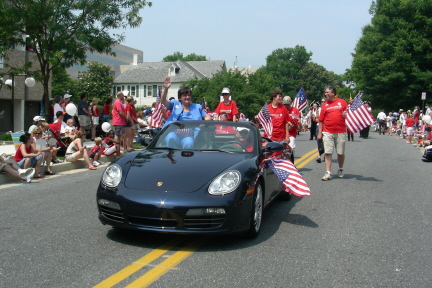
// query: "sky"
[[245, 32]]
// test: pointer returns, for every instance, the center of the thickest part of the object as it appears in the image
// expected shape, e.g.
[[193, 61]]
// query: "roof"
[[154, 72]]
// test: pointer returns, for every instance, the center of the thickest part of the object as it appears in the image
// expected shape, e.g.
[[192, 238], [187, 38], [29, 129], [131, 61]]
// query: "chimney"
[[135, 59]]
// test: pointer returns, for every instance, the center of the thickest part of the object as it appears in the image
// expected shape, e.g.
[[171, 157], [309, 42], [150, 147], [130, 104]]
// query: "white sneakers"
[[97, 163], [328, 176], [27, 174]]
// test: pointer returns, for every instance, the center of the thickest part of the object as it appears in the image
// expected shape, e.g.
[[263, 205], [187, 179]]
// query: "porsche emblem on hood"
[[159, 184]]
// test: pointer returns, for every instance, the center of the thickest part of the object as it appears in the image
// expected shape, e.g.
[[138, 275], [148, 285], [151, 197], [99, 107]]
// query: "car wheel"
[[256, 213]]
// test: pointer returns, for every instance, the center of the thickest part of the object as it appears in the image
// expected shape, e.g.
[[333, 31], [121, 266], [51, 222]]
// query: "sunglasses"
[[243, 132], [37, 133]]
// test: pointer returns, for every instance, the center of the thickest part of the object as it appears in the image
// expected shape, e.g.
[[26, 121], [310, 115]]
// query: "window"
[[149, 90], [171, 71], [132, 91]]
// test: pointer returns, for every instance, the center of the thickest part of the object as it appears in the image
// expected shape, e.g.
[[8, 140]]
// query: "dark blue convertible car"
[[193, 177]]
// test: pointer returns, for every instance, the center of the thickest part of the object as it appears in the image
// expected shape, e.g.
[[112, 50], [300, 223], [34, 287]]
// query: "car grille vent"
[[153, 222], [111, 214], [203, 222]]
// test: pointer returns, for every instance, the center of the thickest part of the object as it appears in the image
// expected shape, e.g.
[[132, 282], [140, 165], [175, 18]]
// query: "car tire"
[[256, 213]]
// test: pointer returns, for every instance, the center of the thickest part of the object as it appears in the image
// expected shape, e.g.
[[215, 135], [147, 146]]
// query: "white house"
[[143, 80]]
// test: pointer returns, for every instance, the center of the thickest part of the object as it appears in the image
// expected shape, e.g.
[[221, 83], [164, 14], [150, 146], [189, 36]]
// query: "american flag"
[[358, 116], [291, 179], [156, 117], [300, 101], [265, 120]]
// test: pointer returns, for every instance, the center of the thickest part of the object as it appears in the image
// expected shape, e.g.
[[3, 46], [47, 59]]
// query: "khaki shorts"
[[84, 120], [331, 140]]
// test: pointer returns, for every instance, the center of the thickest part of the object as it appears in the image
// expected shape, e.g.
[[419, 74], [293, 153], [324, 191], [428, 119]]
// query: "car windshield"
[[235, 137]]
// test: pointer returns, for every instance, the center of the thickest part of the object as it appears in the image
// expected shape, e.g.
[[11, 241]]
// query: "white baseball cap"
[[67, 96], [225, 90], [242, 128], [38, 118]]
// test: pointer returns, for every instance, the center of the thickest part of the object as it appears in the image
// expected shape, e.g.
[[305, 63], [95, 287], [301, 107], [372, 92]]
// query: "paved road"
[[370, 229]]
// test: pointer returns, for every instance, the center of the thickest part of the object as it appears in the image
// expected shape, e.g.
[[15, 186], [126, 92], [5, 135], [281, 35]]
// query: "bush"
[[6, 137]]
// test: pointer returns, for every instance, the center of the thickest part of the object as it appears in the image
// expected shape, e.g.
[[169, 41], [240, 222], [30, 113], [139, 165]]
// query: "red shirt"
[[416, 117], [18, 154], [222, 129], [409, 122], [106, 109], [331, 116], [295, 114], [95, 112], [118, 120], [280, 117], [230, 109]]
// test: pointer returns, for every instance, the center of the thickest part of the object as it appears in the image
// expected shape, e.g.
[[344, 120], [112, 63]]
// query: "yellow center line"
[[306, 158], [140, 263], [155, 273]]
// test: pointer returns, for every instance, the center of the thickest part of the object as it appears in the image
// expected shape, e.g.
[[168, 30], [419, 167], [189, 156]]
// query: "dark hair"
[[83, 95], [274, 93], [224, 113], [58, 98], [108, 100], [184, 90], [59, 113], [25, 137], [332, 89]]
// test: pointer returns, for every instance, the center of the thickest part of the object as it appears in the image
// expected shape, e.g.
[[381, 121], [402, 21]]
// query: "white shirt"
[[381, 116]]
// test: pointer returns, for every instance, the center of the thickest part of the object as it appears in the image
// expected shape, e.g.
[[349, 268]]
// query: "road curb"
[[57, 168]]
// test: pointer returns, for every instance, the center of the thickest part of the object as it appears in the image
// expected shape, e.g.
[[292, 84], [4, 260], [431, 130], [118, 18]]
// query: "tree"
[[62, 31], [96, 82], [61, 82], [392, 62], [315, 77], [285, 64], [179, 56]]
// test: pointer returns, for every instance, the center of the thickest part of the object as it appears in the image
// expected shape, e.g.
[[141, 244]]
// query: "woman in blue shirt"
[[182, 110]]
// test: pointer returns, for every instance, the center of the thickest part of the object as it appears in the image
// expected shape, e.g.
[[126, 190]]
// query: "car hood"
[[173, 170]]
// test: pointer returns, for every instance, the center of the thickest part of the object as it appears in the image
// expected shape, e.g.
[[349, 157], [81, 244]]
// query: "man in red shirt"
[[294, 124], [332, 129], [227, 106], [118, 117], [280, 118]]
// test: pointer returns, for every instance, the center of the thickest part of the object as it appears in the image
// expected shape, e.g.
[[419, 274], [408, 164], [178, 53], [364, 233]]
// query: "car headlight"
[[112, 175], [225, 183]]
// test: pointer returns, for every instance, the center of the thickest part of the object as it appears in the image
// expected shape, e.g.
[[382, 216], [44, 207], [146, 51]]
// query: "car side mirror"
[[146, 141], [272, 147]]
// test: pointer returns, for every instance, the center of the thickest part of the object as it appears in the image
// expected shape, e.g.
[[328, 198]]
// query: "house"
[[143, 80]]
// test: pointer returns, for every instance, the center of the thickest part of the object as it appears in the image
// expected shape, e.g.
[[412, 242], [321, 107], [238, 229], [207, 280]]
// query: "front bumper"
[[174, 212]]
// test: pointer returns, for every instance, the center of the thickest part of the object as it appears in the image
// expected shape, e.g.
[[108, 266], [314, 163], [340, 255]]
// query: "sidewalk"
[[62, 167]]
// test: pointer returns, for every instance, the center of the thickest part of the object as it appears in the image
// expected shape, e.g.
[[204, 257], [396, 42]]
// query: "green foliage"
[[179, 56], [315, 77], [392, 60], [96, 81], [62, 31], [285, 65], [6, 137], [61, 83]]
